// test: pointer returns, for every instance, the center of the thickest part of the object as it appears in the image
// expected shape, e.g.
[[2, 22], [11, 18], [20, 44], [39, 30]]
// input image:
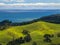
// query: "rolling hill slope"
[[37, 31]]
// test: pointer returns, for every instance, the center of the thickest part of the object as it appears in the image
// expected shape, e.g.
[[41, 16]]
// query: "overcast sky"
[[29, 4], [30, 1]]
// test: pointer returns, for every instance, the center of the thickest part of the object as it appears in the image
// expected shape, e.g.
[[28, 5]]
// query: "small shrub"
[[58, 35], [27, 38], [25, 32], [16, 42], [47, 37], [34, 43], [48, 40], [52, 44], [0, 44]]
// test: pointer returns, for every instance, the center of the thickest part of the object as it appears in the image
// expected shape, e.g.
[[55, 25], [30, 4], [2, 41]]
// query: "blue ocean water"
[[25, 15]]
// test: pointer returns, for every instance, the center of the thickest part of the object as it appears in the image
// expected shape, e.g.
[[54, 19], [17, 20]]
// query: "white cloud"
[[30, 5], [20, 1], [7, 0], [2, 4], [13, 1]]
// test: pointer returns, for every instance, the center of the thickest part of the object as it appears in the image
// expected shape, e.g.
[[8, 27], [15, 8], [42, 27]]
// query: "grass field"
[[37, 31]]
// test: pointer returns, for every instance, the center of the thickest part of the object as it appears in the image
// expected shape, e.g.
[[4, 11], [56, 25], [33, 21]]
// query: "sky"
[[30, 1], [29, 4], [9, 5]]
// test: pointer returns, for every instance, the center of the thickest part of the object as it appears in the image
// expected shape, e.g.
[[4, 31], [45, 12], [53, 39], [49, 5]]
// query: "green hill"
[[37, 31]]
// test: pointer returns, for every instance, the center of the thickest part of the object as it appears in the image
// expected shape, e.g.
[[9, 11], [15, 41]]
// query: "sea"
[[25, 15]]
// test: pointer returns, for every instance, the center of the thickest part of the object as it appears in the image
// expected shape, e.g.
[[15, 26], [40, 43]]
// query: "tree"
[[58, 34], [19, 40], [25, 32], [47, 40], [5, 24], [27, 38], [34, 43], [16, 41], [47, 37], [0, 44]]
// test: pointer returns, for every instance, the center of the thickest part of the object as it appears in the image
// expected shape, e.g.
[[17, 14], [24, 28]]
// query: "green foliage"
[[27, 38], [25, 32], [58, 34], [5, 24], [36, 30], [34, 43]]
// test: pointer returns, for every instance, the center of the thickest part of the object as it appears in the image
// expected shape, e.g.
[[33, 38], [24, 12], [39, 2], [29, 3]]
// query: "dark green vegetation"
[[43, 31], [5, 24], [52, 18]]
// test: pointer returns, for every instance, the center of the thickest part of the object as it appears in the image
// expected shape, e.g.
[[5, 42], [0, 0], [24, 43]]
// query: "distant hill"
[[55, 18], [52, 18]]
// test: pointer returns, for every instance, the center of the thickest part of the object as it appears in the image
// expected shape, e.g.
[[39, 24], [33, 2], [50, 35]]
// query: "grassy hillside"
[[37, 31]]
